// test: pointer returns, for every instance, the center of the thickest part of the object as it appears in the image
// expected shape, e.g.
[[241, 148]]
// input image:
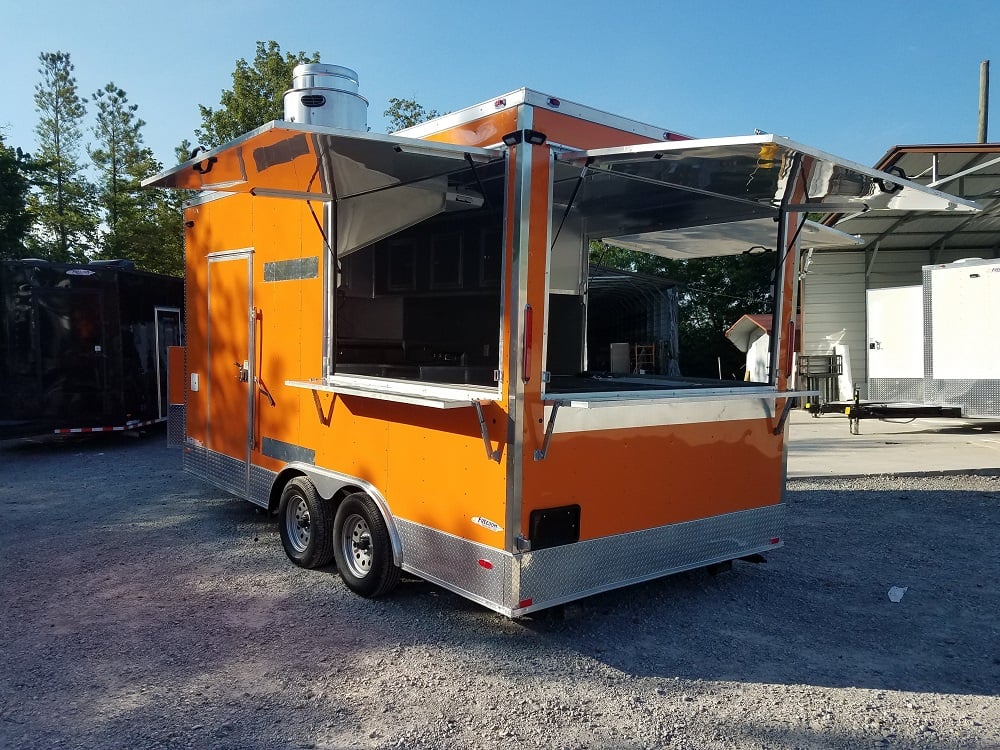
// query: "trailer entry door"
[[168, 334], [229, 359], [73, 354]]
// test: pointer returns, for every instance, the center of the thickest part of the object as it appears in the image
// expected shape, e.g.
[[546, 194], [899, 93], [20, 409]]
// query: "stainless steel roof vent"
[[326, 95]]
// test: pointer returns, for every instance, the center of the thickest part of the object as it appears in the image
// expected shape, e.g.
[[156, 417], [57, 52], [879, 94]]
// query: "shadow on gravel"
[[819, 613], [145, 609]]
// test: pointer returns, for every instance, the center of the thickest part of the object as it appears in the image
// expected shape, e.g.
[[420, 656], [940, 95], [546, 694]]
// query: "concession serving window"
[[414, 234], [695, 199]]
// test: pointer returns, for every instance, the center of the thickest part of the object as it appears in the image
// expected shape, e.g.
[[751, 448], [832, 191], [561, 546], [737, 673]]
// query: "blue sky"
[[850, 78]]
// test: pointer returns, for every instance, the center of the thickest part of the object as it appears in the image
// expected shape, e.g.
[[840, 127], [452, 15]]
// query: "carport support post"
[[984, 99]]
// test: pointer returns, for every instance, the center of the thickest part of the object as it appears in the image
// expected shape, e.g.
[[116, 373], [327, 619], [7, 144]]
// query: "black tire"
[[362, 547], [305, 522]]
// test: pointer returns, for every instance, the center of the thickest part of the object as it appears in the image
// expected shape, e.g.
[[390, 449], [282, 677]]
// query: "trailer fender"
[[334, 485]]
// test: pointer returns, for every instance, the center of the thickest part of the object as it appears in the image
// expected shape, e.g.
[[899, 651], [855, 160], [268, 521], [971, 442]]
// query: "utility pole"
[[984, 99]]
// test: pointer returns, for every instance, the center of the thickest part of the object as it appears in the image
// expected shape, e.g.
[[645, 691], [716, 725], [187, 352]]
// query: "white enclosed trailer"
[[936, 344]]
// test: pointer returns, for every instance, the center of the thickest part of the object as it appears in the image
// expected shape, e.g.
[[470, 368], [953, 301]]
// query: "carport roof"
[[968, 170]]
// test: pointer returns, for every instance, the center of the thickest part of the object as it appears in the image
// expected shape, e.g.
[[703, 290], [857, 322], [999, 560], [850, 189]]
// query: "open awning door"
[[633, 194], [311, 162], [729, 238]]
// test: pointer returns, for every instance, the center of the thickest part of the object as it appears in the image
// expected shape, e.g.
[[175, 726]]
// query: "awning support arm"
[[763, 207], [405, 183], [785, 411], [540, 454], [492, 455], [871, 261], [572, 199], [475, 173]]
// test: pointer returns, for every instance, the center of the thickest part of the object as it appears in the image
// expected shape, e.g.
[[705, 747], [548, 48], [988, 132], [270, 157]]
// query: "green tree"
[[166, 233], [121, 161], [405, 113], [256, 95], [64, 218], [16, 168], [712, 295]]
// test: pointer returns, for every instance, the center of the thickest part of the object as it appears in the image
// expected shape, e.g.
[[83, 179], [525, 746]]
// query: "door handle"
[[244, 372]]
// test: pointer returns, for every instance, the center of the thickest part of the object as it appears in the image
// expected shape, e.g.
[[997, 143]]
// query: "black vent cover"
[[551, 527], [313, 100]]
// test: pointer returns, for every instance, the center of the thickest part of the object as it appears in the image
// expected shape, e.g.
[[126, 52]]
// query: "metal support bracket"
[[540, 454], [492, 455], [785, 411]]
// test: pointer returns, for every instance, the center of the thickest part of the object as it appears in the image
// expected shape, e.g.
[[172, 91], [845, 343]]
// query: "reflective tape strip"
[[120, 428]]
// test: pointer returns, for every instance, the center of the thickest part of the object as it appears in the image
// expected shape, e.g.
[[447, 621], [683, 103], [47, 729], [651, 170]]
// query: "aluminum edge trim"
[[598, 116], [462, 116], [796, 260], [251, 321], [518, 296], [548, 277], [210, 258]]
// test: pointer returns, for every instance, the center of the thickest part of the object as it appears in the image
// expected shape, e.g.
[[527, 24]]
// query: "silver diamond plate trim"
[[928, 326], [896, 389], [453, 563], [978, 398], [261, 481], [195, 460], [222, 471], [561, 574], [176, 425]]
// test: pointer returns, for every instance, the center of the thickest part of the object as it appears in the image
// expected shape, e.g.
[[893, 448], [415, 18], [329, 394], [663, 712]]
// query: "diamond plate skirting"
[[896, 389], [261, 481], [978, 398], [454, 563], [561, 574], [229, 473], [176, 425]]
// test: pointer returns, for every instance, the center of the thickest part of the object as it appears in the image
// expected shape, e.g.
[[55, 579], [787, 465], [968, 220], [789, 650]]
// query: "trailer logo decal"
[[80, 272], [487, 523]]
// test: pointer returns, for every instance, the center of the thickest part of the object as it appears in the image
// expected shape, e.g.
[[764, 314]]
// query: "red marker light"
[[553, 102], [524, 603], [500, 103], [776, 540], [486, 564]]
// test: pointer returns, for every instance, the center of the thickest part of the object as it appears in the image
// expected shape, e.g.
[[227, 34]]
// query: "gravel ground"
[[144, 609]]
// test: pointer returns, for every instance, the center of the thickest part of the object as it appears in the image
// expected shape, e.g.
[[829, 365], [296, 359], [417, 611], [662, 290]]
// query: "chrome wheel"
[[356, 545], [363, 548], [305, 524], [298, 524]]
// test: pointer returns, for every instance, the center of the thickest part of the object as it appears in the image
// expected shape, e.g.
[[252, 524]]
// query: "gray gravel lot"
[[144, 609]]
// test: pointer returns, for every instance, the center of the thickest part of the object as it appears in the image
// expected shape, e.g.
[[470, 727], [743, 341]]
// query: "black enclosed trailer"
[[83, 347]]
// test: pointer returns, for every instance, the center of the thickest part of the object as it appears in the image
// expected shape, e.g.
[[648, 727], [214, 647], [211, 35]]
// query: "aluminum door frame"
[[225, 467], [162, 404]]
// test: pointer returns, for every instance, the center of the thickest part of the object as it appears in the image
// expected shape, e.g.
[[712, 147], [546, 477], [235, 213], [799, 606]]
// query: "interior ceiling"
[[970, 171]]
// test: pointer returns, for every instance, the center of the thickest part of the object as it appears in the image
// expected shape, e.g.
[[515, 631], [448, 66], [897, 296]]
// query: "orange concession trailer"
[[391, 342]]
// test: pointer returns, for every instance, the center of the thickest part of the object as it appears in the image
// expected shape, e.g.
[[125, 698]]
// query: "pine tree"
[[65, 223], [16, 169], [122, 161]]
